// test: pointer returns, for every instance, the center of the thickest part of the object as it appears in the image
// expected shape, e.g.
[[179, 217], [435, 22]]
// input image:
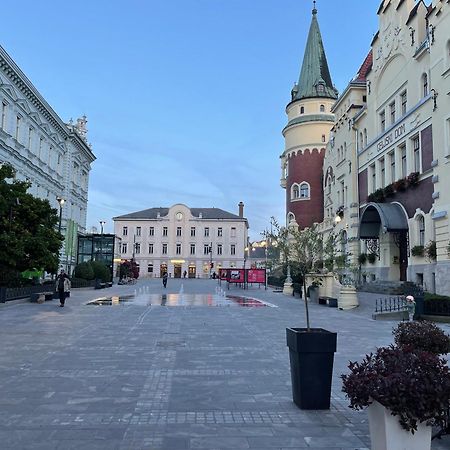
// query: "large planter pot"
[[311, 355], [386, 433], [348, 298], [314, 294]]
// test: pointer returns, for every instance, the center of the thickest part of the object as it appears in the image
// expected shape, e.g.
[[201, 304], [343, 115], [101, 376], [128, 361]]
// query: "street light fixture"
[[265, 244], [61, 201], [102, 223]]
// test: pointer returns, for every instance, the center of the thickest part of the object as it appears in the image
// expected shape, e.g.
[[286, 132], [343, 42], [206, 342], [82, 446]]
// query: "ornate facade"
[[54, 156], [179, 239]]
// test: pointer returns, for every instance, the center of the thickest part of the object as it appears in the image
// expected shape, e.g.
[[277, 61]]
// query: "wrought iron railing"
[[390, 304]]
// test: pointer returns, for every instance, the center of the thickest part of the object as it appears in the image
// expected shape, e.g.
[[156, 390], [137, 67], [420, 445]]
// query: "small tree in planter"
[[418, 250], [430, 251], [413, 386]]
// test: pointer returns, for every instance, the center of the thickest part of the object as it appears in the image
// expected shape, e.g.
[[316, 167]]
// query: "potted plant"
[[371, 257], [311, 350], [362, 258], [418, 250], [405, 392], [430, 250]]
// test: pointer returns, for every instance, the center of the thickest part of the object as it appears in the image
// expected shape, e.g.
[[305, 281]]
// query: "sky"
[[185, 99]]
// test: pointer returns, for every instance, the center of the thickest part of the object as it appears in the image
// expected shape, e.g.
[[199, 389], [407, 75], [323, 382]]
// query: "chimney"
[[241, 209]]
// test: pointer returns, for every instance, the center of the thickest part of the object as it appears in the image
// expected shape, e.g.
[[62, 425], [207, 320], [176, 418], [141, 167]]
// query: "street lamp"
[[61, 201], [102, 223], [265, 244]]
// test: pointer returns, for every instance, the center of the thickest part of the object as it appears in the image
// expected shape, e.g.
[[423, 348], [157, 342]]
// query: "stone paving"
[[132, 377]]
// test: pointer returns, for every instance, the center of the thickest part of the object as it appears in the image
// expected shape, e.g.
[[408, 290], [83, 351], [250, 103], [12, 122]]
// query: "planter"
[[311, 355], [348, 298], [386, 432], [314, 294]]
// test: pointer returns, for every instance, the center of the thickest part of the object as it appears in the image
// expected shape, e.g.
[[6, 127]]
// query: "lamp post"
[[265, 243], [102, 223], [61, 201]]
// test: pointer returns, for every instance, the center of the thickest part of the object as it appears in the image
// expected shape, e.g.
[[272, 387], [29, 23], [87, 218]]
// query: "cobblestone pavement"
[[149, 377]]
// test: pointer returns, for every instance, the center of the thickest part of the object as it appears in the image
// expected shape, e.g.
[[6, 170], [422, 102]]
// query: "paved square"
[[132, 376]]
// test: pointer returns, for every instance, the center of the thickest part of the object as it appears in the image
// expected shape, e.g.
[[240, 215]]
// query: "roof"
[[156, 213], [365, 68], [390, 216], [315, 79]]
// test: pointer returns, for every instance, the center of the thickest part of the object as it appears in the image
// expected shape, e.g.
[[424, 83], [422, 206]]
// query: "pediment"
[[46, 127], [35, 116], [328, 201], [10, 90], [24, 104]]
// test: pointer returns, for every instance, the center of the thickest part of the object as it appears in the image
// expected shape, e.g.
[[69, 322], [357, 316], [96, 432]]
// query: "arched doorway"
[[386, 218]]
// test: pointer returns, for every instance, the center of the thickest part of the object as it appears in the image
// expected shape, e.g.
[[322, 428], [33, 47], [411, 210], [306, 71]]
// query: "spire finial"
[[314, 11]]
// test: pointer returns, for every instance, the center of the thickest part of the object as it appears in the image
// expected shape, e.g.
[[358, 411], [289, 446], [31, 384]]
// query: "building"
[[53, 156], [385, 173], [179, 239], [100, 247], [306, 134]]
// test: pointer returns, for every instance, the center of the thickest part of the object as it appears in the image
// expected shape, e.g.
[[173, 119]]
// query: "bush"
[[84, 271], [430, 250], [276, 281], [371, 257], [413, 385], [100, 271], [418, 250], [413, 179], [389, 190], [362, 258], [423, 336]]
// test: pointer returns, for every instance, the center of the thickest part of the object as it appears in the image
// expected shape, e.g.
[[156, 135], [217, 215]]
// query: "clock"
[[179, 215]]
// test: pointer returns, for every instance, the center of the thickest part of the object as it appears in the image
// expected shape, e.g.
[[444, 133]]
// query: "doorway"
[[191, 272], [177, 270]]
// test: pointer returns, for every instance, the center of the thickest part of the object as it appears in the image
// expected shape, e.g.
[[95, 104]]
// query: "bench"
[[330, 301]]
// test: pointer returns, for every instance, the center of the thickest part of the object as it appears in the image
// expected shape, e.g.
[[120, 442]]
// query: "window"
[[421, 228], [150, 249], [323, 138], [30, 137], [374, 178], [403, 99], [302, 109], [383, 172], [425, 84], [164, 231], [304, 190], [233, 232], [219, 232], [178, 249], [392, 112], [320, 88], [343, 193], [295, 191], [124, 248], [219, 249], [138, 231], [18, 124], [206, 231], [392, 163], [291, 218], [150, 268], [137, 248], [178, 231], [192, 231], [416, 153], [322, 108], [383, 121], [403, 158], [192, 249], [365, 137], [164, 249], [4, 112], [125, 231], [41, 142], [233, 249], [151, 231], [206, 249]]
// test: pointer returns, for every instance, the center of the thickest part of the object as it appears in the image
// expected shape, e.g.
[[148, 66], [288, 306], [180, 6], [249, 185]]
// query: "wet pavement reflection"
[[179, 299]]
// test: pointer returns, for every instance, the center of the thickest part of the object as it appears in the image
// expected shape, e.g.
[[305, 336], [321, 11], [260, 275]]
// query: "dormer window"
[[322, 108], [302, 109], [320, 87]]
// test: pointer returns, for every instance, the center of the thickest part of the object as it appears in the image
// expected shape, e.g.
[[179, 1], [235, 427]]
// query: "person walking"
[[165, 279], [410, 307], [63, 286]]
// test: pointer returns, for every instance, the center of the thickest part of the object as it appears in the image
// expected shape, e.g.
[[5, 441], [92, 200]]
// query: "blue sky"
[[185, 99]]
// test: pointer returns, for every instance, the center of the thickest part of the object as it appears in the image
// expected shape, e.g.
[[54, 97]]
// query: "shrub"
[[415, 386], [430, 250], [100, 271], [362, 258], [276, 281], [371, 257], [341, 261], [413, 179], [379, 196], [400, 185], [84, 271], [418, 250], [423, 336], [389, 190]]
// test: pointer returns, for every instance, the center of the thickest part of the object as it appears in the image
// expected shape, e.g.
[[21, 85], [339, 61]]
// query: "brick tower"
[[307, 132]]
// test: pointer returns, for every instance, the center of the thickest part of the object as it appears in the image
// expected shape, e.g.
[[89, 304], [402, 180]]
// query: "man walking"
[[63, 286], [165, 279]]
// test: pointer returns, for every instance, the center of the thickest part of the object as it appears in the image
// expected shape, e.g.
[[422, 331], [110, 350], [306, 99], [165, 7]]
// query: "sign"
[[223, 274], [236, 275], [256, 276], [392, 137]]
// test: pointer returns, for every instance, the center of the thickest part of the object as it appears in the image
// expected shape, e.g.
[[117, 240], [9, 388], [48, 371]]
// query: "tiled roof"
[[206, 213], [365, 68]]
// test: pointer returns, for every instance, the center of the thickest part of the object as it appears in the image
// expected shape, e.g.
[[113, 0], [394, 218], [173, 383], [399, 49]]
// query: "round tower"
[[306, 133]]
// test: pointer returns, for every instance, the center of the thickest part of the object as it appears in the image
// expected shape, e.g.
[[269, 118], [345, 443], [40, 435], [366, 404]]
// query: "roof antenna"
[[314, 11]]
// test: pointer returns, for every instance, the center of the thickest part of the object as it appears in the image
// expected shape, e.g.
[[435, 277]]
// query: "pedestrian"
[[63, 286], [165, 279], [184, 274], [410, 307]]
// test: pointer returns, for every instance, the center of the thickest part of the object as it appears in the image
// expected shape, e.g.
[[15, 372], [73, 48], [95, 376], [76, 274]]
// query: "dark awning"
[[387, 216]]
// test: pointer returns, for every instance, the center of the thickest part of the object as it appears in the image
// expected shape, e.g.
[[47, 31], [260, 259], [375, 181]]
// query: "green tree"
[[100, 270], [84, 271], [28, 235]]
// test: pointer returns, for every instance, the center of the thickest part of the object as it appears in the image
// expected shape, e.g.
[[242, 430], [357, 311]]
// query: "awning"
[[376, 217]]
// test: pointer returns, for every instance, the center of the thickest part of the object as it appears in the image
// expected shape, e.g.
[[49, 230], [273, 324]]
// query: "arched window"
[[322, 108], [365, 137], [421, 229], [361, 141], [290, 218], [304, 190], [295, 191], [425, 84], [302, 109]]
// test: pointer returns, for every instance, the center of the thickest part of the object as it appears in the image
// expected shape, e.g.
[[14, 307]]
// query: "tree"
[[28, 234], [306, 249]]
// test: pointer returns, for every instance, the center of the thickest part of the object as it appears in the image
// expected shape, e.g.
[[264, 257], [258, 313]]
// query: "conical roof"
[[315, 79]]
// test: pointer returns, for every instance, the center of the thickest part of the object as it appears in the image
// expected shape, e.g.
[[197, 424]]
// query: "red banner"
[[236, 275], [223, 274], [256, 276]]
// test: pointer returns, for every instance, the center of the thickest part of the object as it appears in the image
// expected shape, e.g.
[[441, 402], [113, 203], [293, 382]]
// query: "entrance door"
[[191, 272], [162, 269], [177, 270], [403, 254]]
